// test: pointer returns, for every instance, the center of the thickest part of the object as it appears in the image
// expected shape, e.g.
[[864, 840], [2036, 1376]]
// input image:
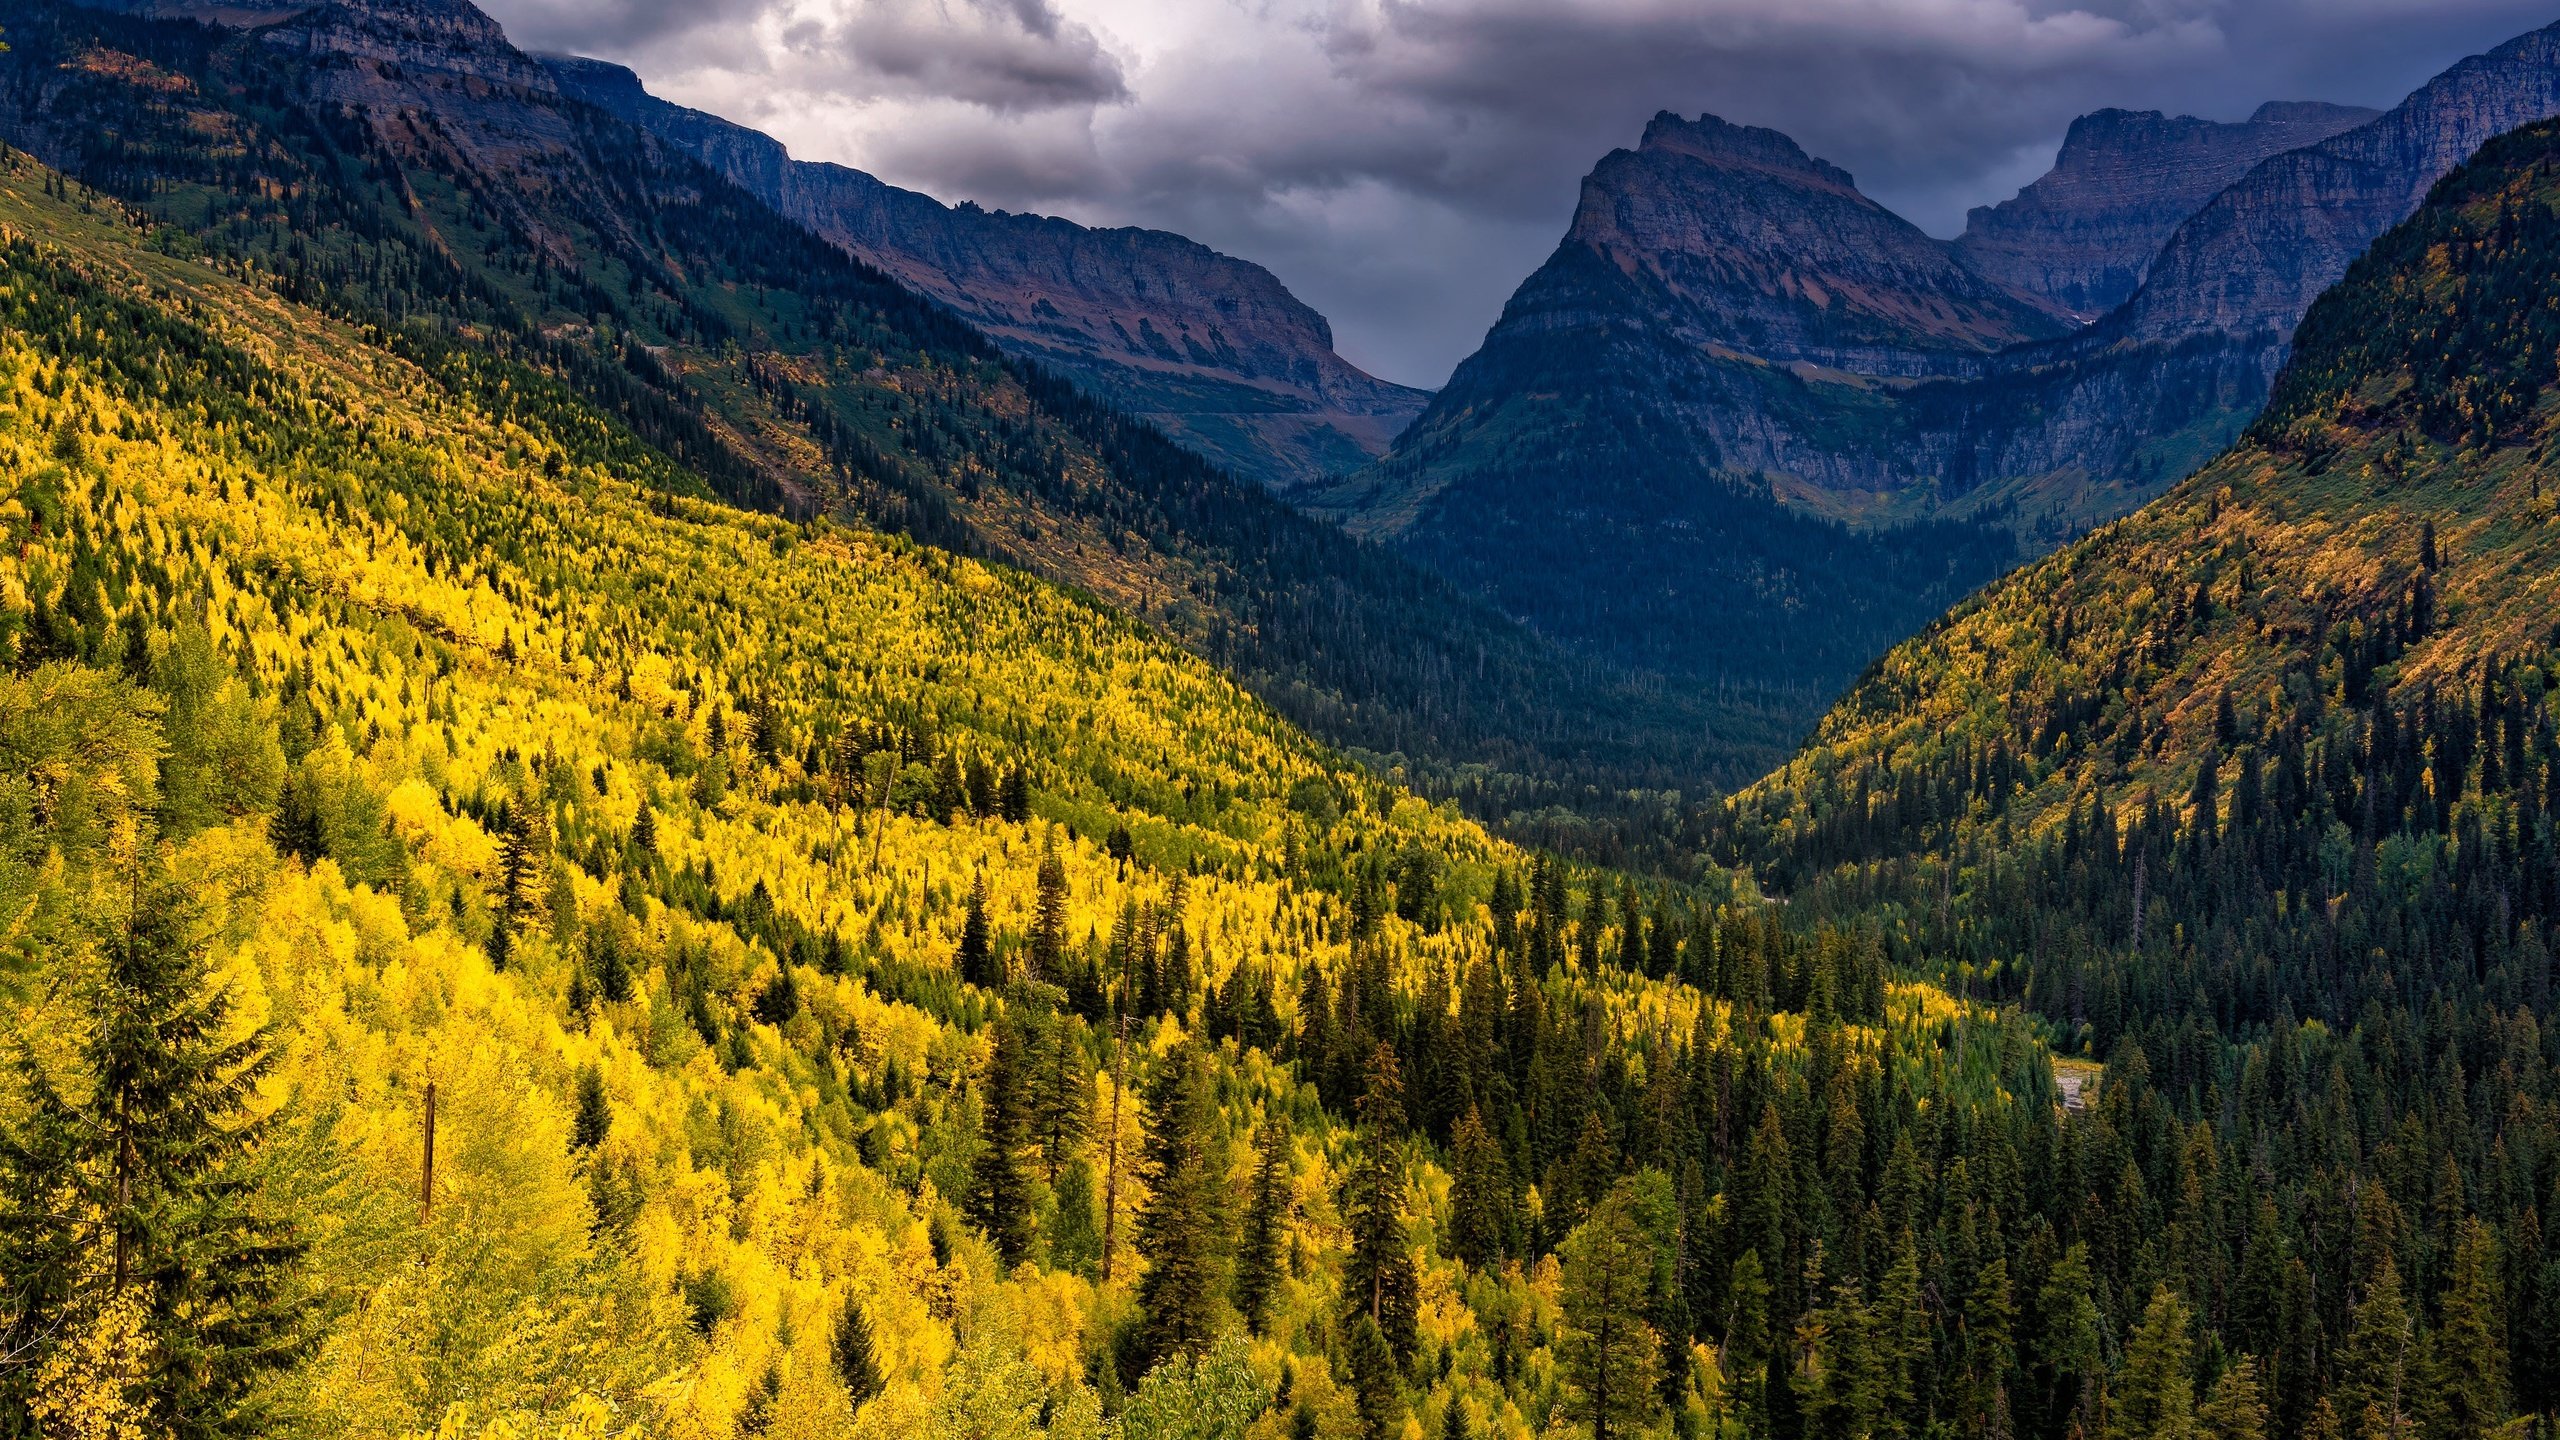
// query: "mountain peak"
[[1721, 142], [1762, 248]]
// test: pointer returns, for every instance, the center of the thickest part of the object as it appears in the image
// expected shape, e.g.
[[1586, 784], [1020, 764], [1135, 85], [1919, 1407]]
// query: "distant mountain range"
[[1743, 431], [2081, 238], [1213, 349], [1745, 423]]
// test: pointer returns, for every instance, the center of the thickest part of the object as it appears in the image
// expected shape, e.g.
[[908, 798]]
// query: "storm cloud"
[[1402, 164]]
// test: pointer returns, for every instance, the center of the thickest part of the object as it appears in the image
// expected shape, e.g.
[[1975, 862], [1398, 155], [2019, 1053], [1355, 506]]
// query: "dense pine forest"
[[563, 877]]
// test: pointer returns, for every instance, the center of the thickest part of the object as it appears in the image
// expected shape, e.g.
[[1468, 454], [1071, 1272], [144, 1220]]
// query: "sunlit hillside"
[[400, 166], [862, 990]]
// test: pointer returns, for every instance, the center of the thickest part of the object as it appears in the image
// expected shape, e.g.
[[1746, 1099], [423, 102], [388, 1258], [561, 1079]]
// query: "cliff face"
[[1214, 349], [2255, 258], [1733, 237], [2082, 237]]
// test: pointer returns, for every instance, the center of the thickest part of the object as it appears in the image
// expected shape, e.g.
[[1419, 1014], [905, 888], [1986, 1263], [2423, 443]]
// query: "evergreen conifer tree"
[[594, 1116], [2471, 1395], [1609, 1354], [1746, 1340], [976, 959], [1265, 1220], [1902, 1337], [127, 1185], [1178, 1227], [1062, 1098], [2234, 1409], [1479, 1194], [1990, 1320], [1373, 1379], [1000, 1179], [1049, 918], [2067, 1343], [1379, 1279], [2154, 1397], [2373, 1394], [857, 1357]]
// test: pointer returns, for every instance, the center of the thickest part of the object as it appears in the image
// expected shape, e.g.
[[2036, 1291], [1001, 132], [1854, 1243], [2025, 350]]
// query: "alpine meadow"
[[632, 805]]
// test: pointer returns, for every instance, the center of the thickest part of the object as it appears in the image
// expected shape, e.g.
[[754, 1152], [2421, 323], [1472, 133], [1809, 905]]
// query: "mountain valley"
[[628, 811]]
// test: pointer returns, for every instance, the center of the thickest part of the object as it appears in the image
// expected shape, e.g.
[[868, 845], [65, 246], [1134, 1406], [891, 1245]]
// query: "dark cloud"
[[599, 27], [1004, 55], [1403, 163]]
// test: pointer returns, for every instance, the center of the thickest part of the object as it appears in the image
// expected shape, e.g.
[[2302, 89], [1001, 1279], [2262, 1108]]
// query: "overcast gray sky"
[[1402, 164]]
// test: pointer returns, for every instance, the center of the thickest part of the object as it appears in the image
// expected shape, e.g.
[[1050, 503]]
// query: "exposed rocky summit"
[[1739, 239], [1213, 348], [2082, 237]]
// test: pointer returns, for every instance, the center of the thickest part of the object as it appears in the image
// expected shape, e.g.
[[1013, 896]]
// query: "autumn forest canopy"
[[611, 826]]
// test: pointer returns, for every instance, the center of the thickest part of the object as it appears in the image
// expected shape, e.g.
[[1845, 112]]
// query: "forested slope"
[[2256, 792], [862, 990]]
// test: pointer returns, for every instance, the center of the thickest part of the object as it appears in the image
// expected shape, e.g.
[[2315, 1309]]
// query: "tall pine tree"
[[976, 957], [1609, 1353], [1178, 1227], [1000, 1180], [1479, 1194], [856, 1354], [1049, 918], [128, 1185], [1266, 1219], [2155, 1395], [1379, 1280]]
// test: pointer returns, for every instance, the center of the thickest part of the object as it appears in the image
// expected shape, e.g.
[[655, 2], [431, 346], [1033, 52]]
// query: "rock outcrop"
[[1212, 348], [2082, 236]]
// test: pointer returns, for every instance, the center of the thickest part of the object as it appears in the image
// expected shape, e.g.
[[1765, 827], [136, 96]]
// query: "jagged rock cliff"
[[1734, 237], [2254, 259], [2081, 237], [1214, 349]]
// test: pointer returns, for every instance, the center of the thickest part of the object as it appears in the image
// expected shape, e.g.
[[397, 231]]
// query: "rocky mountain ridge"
[[1743, 241], [2081, 237], [1214, 349], [2252, 261]]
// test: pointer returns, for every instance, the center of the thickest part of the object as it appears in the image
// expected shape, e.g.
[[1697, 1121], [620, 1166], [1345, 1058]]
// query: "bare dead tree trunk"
[[427, 1171], [1119, 1072]]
